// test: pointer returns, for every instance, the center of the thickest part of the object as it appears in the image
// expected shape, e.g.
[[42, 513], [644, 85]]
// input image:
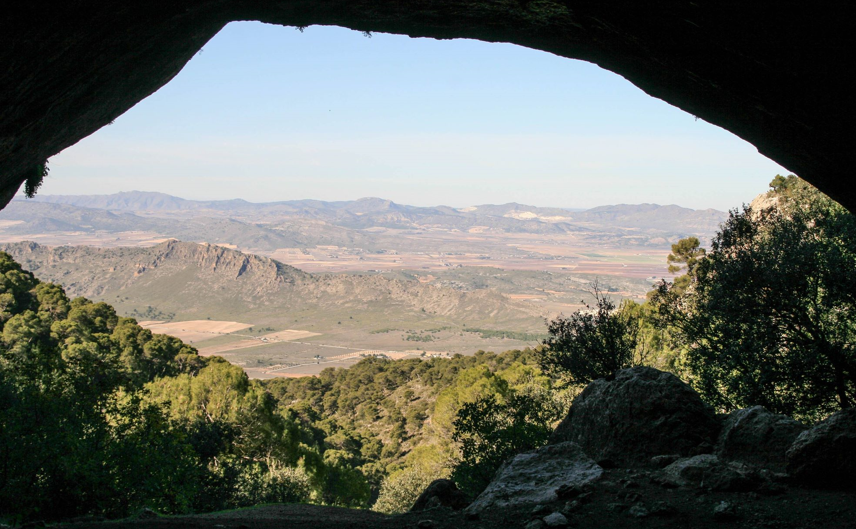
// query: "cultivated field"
[[196, 330]]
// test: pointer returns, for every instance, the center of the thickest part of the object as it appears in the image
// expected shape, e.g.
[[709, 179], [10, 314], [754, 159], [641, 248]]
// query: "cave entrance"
[[266, 112]]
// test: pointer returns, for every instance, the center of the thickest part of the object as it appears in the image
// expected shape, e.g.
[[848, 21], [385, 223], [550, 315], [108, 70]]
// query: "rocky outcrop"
[[757, 437], [71, 68], [825, 456], [534, 477], [709, 472], [640, 414], [440, 493]]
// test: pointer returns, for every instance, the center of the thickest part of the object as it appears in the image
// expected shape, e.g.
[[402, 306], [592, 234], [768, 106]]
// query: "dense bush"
[[400, 489], [592, 343]]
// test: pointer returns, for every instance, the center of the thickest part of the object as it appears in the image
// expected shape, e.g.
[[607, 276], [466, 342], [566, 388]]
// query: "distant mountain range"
[[296, 222]]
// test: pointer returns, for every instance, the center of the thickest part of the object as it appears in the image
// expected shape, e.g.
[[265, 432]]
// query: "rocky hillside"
[[178, 276]]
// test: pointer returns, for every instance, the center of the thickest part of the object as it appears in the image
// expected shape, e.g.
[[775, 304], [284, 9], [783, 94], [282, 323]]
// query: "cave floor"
[[609, 505]]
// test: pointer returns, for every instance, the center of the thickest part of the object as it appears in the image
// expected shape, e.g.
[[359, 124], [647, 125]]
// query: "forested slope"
[[100, 416]]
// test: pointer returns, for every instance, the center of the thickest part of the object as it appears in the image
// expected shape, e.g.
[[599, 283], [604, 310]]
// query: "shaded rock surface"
[[825, 456], [640, 414], [533, 477], [795, 508], [759, 438], [440, 493], [709, 472]]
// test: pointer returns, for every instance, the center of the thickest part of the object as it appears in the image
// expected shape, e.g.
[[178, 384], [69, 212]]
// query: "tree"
[[592, 343], [686, 255], [490, 431], [769, 315]]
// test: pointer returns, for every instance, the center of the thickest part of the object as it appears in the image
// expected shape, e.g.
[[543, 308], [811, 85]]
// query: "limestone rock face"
[[759, 438], [440, 493], [640, 414], [825, 456], [533, 477]]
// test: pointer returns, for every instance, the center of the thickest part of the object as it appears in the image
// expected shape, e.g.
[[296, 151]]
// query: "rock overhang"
[[775, 76]]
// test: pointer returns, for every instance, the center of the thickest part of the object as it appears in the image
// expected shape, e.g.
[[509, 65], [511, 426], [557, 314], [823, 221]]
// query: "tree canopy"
[[768, 316]]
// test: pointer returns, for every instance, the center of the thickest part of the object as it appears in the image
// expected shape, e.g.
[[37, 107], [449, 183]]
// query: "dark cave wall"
[[777, 75]]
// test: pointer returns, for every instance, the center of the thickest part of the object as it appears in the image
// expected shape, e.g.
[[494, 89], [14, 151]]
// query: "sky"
[[268, 113]]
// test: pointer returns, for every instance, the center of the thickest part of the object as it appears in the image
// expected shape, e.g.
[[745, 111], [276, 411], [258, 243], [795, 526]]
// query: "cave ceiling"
[[775, 74]]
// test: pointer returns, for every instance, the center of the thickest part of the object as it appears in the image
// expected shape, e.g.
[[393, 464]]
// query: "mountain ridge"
[[181, 276], [375, 212], [141, 200]]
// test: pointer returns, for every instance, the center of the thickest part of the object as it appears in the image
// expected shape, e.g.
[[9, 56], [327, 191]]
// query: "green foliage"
[[35, 179], [507, 335], [769, 317], [151, 313], [75, 436], [413, 337], [592, 343], [383, 417], [490, 431], [100, 416], [257, 484], [400, 489], [686, 255], [782, 185]]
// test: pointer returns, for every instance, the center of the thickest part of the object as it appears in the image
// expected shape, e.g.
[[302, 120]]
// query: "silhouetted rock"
[[440, 493], [664, 461], [533, 477], [146, 514], [639, 414], [556, 519], [825, 456], [759, 438], [725, 512]]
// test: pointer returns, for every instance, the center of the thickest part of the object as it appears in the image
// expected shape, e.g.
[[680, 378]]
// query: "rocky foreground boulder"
[[707, 471], [758, 438], [825, 456], [639, 414], [440, 493], [534, 477]]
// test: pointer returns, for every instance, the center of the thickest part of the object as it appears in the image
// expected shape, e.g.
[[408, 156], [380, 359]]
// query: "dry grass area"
[[228, 347], [289, 334], [97, 239], [265, 339], [195, 330], [395, 355]]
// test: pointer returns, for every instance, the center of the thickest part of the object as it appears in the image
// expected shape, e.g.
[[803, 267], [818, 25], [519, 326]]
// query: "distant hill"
[[125, 201], [45, 217], [377, 212], [189, 278], [653, 217]]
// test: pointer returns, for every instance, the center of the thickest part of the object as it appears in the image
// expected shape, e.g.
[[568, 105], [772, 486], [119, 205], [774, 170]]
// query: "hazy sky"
[[269, 113]]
